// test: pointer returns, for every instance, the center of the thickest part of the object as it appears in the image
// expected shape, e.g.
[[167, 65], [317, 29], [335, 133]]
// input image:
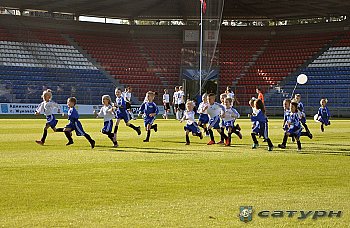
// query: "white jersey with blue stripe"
[[230, 114], [201, 108], [47, 107], [104, 112], [189, 117], [215, 109]]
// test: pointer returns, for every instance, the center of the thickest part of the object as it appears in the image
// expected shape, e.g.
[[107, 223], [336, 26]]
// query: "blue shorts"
[[325, 121], [295, 131], [215, 122], [123, 115], [228, 124], [149, 120], [107, 126], [51, 120], [261, 129], [192, 128], [203, 118], [77, 127]]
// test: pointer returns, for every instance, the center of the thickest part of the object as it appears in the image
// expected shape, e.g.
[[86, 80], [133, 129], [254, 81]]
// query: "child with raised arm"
[[293, 126], [108, 115], [261, 127], [323, 114], [47, 107], [150, 110], [229, 117], [191, 125], [74, 124]]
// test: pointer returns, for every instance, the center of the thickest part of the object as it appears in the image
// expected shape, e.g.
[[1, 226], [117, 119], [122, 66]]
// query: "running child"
[[74, 124], [150, 110], [191, 125], [293, 127], [297, 98], [108, 115], [176, 102], [323, 114], [286, 119], [229, 117], [122, 114], [261, 125], [214, 111], [203, 113], [127, 97], [166, 103], [47, 107], [223, 96]]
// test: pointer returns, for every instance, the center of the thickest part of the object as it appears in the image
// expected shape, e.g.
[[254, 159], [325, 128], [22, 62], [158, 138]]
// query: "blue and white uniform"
[[147, 108], [261, 126], [74, 123], [121, 112], [214, 111], [286, 118], [302, 112], [203, 114], [191, 124], [323, 115], [47, 108], [107, 118], [229, 117], [294, 123]]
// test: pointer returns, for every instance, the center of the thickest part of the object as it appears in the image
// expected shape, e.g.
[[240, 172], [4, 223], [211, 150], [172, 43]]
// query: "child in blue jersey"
[[261, 125], [122, 114], [214, 111], [203, 113], [150, 110], [323, 114], [74, 124], [191, 125], [293, 126], [302, 114], [229, 117], [47, 107], [108, 115], [286, 117]]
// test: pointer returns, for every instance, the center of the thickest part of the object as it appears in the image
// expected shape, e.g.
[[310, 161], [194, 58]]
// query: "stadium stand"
[[43, 59], [328, 77]]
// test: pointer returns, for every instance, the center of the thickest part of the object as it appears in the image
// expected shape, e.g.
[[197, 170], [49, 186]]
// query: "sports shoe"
[[238, 127], [187, 143], [92, 143], [270, 148], [211, 142], [221, 142], [255, 145], [138, 130], [115, 144], [240, 135], [201, 135], [39, 142], [227, 143], [155, 128], [69, 143], [310, 135], [282, 146], [145, 140]]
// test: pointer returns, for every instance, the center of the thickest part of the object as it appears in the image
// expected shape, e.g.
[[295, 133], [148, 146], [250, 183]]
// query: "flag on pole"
[[204, 8]]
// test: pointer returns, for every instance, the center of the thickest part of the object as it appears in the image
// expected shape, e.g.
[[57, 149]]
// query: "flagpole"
[[201, 50]]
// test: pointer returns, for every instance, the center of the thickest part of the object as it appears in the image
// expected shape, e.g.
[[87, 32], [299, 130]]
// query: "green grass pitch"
[[165, 183]]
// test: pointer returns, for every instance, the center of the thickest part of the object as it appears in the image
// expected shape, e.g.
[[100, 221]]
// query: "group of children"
[[212, 116]]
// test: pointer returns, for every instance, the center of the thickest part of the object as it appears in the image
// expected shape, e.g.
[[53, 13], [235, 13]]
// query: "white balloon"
[[302, 79]]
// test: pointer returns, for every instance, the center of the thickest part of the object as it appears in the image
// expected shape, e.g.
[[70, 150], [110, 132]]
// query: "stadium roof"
[[183, 9]]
